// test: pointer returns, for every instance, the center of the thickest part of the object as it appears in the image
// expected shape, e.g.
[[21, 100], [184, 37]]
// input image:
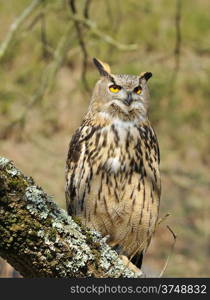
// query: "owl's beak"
[[129, 99]]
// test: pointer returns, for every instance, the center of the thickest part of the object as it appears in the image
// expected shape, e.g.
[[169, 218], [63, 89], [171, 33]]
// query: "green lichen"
[[8, 166], [3, 162], [35, 228], [35, 199]]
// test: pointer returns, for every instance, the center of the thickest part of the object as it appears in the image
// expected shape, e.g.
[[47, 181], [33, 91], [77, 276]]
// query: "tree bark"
[[40, 240]]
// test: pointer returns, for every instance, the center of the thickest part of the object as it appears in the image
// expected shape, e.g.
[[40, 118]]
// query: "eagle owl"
[[112, 169]]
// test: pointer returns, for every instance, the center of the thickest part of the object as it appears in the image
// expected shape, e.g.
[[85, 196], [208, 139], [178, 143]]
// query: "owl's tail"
[[138, 259]]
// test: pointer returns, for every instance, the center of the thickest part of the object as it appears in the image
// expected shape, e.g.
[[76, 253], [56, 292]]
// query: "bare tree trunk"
[[40, 240]]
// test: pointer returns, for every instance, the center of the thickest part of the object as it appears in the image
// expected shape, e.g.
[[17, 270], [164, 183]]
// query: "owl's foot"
[[130, 265]]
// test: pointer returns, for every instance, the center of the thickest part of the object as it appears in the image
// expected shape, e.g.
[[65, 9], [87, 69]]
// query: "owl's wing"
[[156, 145], [77, 167], [146, 189], [152, 154]]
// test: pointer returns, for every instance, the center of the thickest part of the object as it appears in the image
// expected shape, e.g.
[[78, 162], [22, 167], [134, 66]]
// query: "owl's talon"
[[129, 264]]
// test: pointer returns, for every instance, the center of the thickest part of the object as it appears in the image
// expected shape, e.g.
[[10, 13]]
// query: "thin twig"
[[40, 18], [114, 21], [46, 83], [16, 26], [35, 20], [105, 37], [51, 70], [45, 52], [81, 39], [87, 9], [171, 251], [177, 47]]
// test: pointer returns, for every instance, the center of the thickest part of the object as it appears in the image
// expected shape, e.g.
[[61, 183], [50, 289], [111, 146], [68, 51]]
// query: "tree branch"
[[177, 48], [45, 84], [105, 37], [81, 39], [16, 25], [40, 240]]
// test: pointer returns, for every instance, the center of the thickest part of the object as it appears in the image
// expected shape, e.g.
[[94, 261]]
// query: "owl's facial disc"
[[125, 95]]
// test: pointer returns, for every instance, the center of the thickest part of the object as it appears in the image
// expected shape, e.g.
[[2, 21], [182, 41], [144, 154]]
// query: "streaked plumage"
[[112, 174]]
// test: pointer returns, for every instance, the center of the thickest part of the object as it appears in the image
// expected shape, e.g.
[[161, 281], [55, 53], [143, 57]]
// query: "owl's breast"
[[113, 165], [114, 186], [118, 146]]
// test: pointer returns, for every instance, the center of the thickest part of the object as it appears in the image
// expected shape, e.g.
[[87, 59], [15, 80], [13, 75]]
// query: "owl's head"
[[120, 96]]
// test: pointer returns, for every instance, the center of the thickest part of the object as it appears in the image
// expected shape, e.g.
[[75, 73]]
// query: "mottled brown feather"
[[112, 172]]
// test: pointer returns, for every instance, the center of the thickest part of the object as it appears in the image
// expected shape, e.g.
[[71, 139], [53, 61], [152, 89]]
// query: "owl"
[[112, 170]]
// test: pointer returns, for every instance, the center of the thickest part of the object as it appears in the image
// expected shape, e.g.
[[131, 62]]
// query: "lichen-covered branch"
[[40, 240]]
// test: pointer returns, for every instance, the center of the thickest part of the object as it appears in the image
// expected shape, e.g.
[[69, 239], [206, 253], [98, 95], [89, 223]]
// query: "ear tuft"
[[145, 75], [104, 68]]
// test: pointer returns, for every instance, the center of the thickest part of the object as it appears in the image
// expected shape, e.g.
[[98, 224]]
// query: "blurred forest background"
[[46, 78]]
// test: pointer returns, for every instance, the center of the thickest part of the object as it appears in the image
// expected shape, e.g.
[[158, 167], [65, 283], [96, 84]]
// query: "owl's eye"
[[114, 88], [137, 90]]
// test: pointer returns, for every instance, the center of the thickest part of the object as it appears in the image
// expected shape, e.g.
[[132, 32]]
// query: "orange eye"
[[137, 90], [114, 88]]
